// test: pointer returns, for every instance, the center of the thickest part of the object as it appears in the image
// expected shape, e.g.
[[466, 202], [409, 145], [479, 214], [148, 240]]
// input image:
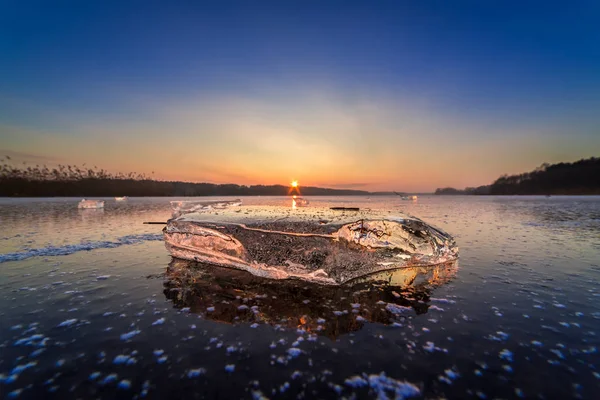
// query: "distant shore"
[[578, 178]]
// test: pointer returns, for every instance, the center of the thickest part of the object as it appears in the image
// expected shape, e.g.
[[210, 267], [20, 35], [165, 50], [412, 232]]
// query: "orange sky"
[[315, 136]]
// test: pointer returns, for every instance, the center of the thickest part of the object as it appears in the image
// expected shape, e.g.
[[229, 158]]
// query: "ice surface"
[[74, 248]]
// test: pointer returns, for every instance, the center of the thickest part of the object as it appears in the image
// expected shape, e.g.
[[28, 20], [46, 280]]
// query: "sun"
[[294, 184]]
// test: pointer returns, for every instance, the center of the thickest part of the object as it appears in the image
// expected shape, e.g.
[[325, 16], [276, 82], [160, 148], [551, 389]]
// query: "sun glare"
[[294, 184]]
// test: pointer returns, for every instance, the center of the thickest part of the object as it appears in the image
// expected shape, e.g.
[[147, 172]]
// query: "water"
[[91, 305]]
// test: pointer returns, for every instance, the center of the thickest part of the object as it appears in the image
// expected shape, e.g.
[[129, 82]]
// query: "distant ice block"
[[299, 202], [317, 245], [94, 204], [190, 206]]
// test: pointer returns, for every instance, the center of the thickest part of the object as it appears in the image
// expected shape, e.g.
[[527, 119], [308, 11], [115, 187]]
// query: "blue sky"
[[386, 95]]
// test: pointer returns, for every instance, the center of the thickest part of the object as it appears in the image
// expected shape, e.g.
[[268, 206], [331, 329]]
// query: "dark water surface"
[[92, 306]]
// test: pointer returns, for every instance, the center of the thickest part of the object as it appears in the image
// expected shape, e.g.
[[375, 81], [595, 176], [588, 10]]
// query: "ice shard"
[[317, 245]]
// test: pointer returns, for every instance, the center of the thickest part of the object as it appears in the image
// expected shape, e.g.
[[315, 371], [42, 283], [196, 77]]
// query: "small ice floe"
[[536, 343], [14, 394], [558, 353], [283, 388], [356, 382], [499, 336], [159, 321], [550, 328], [360, 319], [579, 314], [396, 309], [242, 307], [162, 360], [231, 349], [158, 353], [68, 322], [185, 310], [565, 324], [258, 395], [124, 384], [20, 368], [16, 327], [36, 353], [194, 373], [129, 335], [558, 305], [477, 372], [590, 350], [210, 309], [296, 374], [450, 375], [254, 325], [506, 355], [435, 308], [339, 313], [36, 340], [230, 367], [121, 359], [102, 277], [94, 375], [507, 368], [382, 386], [294, 352], [438, 300], [519, 393], [431, 347], [108, 379], [60, 363], [107, 314], [321, 321]]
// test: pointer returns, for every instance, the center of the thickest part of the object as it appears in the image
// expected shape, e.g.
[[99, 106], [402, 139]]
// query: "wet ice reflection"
[[233, 296]]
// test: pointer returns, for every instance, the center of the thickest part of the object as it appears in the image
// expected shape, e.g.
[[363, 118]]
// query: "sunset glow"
[[294, 184]]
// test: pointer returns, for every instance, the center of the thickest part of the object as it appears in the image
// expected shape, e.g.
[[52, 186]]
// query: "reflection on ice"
[[299, 202], [234, 296]]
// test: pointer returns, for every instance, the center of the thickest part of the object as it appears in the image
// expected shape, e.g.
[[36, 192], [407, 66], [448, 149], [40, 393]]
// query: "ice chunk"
[[340, 250]]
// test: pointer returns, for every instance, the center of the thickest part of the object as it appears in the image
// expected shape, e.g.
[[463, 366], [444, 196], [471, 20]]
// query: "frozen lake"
[[92, 305]]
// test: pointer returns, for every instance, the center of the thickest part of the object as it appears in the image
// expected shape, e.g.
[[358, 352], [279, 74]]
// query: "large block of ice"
[[318, 245]]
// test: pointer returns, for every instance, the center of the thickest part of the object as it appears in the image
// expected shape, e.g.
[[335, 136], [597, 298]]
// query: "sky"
[[373, 95]]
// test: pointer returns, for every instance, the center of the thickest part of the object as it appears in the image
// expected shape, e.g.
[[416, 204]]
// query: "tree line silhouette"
[[579, 177], [74, 181]]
